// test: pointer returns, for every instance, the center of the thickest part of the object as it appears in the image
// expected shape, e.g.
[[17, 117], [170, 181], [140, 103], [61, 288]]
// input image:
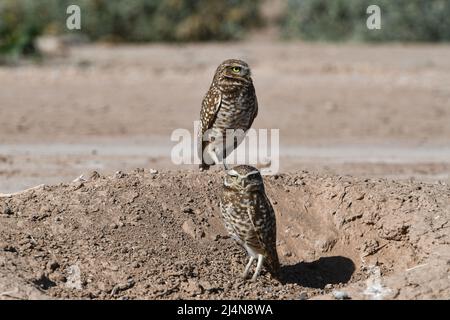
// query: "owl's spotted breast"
[[236, 112]]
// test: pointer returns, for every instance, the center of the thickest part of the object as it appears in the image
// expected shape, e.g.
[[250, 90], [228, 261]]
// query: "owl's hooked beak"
[[247, 74]]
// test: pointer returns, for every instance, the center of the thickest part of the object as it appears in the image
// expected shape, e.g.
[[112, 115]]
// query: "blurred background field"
[[346, 99], [21, 21], [127, 21]]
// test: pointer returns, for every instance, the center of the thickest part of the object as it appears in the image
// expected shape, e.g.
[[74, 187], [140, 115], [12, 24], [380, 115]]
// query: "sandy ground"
[[378, 113], [159, 236]]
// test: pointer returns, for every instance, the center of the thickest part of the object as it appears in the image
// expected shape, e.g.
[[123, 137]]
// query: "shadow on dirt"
[[317, 274], [43, 282]]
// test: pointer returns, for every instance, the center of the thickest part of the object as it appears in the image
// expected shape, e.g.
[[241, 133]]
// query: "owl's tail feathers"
[[204, 156], [273, 265]]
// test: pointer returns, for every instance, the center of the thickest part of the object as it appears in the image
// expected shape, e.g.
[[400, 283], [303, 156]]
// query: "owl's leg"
[[258, 266], [225, 165], [212, 153], [247, 267]]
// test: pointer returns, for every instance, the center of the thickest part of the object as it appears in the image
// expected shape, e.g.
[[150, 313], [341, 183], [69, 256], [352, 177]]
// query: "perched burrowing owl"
[[230, 103], [249, 217]]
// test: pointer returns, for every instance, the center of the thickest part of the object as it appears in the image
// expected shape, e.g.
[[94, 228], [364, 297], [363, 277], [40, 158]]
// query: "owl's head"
[[244, 178], [233, 71]]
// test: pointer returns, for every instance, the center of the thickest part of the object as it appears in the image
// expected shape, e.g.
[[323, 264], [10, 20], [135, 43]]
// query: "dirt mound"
[[159, 235]]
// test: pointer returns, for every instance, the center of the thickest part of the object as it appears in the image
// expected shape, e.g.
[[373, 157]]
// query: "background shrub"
[[21, 21], [168, 20], [127, 20], [337, 20]]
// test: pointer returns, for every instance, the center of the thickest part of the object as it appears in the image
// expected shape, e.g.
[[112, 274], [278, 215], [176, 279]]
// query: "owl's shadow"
[[319, 273]]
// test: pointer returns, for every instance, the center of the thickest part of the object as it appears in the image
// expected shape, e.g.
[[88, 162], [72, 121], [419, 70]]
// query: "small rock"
[[94, 175], [192, 287], [188, 210], [340, 295], [189, 228], [153, 171], [119, 175], [57, 277], [370, 246], [73, 280], [52, 265], [7, 247], [123, 286], [7, 211], [288, 254], [77, 185], [79, 179], [303, 295], [360, 196], [215, 237], [207, 286], [328, 286], [104, 287]]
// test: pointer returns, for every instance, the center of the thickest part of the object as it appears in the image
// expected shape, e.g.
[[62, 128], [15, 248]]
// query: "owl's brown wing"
[[256, 216], [265, 232], [210, 106]]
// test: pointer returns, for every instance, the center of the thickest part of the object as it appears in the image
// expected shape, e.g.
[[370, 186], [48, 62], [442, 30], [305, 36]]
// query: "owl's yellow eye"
[[236, 69]]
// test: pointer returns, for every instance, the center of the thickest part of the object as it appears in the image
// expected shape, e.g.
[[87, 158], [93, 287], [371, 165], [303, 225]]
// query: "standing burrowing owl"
[[230, 103], [250, 218]]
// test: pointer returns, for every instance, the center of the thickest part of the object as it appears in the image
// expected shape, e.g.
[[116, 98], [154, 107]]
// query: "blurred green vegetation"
[[344, 20], [21, 21], [168, 20], [20, 25], [127, 20]]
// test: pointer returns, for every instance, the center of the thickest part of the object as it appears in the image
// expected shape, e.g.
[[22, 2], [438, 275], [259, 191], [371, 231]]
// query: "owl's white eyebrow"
[[250, 173], [233, 173]]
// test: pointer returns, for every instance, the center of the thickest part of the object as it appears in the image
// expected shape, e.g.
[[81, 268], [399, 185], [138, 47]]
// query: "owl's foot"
[[203, 167], [247, 267], [258, 267]]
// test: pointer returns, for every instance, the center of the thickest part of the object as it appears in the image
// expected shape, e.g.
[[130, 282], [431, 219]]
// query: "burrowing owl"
[[249, 217], [230, 103]]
